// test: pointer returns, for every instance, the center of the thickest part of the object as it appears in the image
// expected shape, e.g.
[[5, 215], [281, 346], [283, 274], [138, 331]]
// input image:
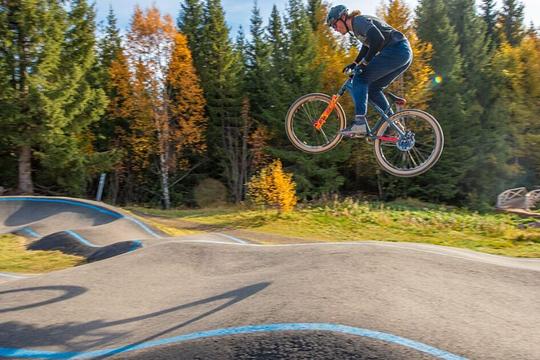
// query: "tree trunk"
[[25, 170], [164, 172], [379, 185]]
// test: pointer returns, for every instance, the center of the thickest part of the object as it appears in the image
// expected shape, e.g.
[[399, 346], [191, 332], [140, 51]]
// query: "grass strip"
[[403, 221], [15, 258]]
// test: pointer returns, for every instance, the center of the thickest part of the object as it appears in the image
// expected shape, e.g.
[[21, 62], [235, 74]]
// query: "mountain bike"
[[407, 143]]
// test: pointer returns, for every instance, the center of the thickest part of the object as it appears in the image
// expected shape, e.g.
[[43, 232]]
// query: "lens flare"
[[438, 79]]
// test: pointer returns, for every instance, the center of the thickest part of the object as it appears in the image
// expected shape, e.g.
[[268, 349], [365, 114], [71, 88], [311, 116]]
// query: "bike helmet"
[[335, 13]]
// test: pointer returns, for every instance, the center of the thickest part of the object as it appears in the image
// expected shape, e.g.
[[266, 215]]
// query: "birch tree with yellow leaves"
[[170, 106]]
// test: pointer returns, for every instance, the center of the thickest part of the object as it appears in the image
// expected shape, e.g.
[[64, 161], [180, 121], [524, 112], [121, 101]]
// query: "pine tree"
[[110, 133], [303, 72], [294, 57], [27, 68], [278, 40], [191, 22], [511, 21], [487, 127], [70, 159], [259, 71], [279, 91], [111, 43], [222, 83], [52, 98], [110, 50], [489, 14], [241, 52], [447, 105]]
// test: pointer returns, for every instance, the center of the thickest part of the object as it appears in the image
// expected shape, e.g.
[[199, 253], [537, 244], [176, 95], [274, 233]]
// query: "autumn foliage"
[[159, 92], [414, 84], [273, 187]]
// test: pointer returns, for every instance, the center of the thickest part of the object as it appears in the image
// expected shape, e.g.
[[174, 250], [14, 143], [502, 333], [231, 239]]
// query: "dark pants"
[[384, 68]]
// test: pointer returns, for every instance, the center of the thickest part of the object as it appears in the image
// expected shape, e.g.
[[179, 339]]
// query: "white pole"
[[101, 186]]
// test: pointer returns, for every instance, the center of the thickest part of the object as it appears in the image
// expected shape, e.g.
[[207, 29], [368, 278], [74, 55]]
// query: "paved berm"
[[197, 298]]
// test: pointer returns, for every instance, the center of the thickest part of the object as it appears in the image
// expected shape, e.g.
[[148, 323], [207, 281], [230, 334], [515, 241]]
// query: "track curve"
[[80, 227], [194, 297]]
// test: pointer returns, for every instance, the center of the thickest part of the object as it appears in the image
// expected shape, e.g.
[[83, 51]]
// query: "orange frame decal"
[[326, 113]]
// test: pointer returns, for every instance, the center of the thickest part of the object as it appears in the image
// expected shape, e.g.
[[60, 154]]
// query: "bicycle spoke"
[[309, 112], [419, 155], [307, 116], [426, 138], [303, 121], [324, 135], [314, 113], [422, 145], [423, 152], [412, 158]]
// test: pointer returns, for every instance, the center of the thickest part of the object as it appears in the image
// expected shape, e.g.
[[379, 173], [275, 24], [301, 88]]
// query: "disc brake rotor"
[[406, 142]]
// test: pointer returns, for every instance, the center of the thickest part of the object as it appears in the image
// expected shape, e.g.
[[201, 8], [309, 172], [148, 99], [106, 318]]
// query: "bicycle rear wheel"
[[414, 153], [301, 119]]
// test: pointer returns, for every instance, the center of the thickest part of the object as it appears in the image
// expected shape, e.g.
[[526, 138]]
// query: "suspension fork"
[[318, 124]]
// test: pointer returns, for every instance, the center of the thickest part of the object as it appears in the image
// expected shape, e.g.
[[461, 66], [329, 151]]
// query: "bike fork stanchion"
[[331, 106]]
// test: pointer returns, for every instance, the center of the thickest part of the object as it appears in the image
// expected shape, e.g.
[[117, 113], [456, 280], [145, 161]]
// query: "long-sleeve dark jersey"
[[374, 34]]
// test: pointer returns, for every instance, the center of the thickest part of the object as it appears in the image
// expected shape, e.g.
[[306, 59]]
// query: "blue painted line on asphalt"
[[81, 204], [28, 230], [136, 244], [69, 202], [142, 225], [235, 239], [12, 276], [81, 239], [441, 354]]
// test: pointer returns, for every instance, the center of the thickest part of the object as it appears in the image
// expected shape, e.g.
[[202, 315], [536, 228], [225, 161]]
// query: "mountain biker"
[[385, 54]]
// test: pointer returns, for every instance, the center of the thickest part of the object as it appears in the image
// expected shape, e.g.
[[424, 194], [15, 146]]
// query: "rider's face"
[[339, 26]]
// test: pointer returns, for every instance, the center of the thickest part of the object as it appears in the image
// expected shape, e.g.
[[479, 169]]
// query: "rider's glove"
[[349, 68]]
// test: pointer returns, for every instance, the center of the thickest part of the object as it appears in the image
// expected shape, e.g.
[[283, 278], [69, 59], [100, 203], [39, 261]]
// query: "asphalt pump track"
[[143, 295]]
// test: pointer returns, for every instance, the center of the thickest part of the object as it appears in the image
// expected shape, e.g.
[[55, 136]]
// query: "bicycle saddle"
[[399, 101]]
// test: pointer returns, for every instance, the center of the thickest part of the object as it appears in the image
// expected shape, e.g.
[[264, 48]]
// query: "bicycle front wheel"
[[301, 120], [414, 153]]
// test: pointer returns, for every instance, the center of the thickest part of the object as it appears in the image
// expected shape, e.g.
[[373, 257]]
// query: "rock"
[[533, 225]]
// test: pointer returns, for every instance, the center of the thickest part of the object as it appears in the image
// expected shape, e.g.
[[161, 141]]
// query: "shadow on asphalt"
[[65, 335], [69, 292], [235, 296]]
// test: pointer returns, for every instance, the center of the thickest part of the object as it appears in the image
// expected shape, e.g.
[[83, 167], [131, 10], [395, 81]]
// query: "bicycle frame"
[[371, 134]]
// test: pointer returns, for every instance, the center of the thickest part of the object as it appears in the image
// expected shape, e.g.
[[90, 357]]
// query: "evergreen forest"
[[177, 104]]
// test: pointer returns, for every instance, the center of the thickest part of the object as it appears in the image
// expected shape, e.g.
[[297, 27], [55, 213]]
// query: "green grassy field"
[[15, 258], [406, 220], [348, 220]]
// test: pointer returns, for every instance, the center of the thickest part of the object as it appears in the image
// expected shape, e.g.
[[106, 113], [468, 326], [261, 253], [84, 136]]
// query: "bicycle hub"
[[406, 142]]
